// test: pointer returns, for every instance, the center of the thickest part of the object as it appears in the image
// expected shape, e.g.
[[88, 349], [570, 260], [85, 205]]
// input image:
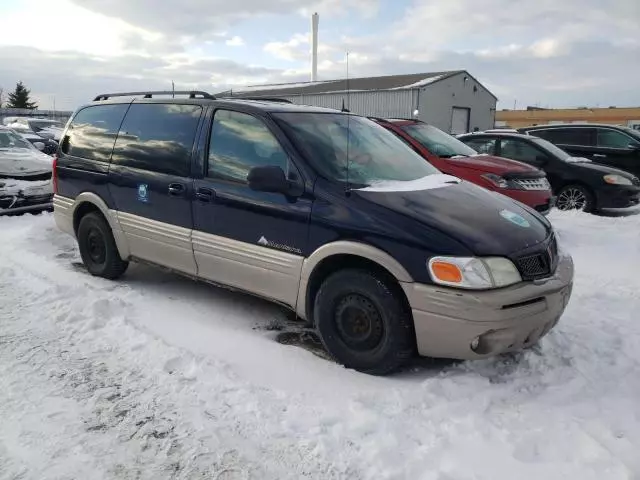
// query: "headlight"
[[473, 273], [497, 180], [614, 179]]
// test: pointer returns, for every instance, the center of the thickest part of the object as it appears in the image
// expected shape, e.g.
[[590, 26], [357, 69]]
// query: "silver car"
[[25, 176]]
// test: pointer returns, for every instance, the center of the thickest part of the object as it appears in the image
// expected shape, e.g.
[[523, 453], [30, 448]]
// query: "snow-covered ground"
[[158, 377]]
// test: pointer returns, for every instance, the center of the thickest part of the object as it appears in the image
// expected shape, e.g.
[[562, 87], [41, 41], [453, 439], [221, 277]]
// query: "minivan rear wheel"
[[363, 322], [98, 247], [575, 197]]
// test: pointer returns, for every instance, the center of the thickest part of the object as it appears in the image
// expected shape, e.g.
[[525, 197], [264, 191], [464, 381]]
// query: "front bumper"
[[611, 196], [447, 321]]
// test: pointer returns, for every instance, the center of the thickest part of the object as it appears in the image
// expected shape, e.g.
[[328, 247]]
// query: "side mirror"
[[39, 146], [634, 146], [268, 179]]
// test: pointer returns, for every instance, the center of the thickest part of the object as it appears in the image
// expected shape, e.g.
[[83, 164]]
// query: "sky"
[[548, 53]]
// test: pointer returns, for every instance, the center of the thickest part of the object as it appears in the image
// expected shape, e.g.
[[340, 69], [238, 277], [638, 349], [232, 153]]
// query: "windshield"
[[438, 142], [552, 149], [374, 154], [8, 139], [634, 133]]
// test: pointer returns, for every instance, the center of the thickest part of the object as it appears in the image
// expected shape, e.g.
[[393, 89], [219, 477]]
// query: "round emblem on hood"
[[515, 218]]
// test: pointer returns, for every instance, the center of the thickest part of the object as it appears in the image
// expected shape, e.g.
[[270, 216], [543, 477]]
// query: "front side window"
[[240, 142], [520, 150], [482, 145], [613, 139], [354, 149], [93, 131], [438, 142], [158, 137]]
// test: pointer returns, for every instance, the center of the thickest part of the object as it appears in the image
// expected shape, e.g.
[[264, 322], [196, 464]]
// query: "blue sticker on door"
[[143, 193]]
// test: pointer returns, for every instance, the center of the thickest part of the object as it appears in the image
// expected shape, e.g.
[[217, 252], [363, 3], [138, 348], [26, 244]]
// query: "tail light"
[[54, 174]]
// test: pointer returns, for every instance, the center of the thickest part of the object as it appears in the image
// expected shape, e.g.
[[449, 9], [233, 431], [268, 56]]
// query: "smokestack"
[[315, 19]]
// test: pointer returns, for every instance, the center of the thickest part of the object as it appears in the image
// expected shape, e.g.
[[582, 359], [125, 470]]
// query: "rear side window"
[[567, 136], [157, 138], [240, 142], [92, 132]]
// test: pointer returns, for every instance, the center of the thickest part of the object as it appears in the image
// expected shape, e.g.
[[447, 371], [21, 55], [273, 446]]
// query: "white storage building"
[[453, 101]]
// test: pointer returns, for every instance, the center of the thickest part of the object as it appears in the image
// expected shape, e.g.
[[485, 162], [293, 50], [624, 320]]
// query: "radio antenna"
[[348, 190]]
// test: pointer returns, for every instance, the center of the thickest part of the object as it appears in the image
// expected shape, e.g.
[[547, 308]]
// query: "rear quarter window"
[[158, 138], [567, 136], [92, 132]]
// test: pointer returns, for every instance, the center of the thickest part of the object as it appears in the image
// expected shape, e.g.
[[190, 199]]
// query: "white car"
[[25, 176]]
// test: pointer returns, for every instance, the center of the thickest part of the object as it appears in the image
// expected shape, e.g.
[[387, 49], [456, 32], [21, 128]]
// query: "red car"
[[517, 180]]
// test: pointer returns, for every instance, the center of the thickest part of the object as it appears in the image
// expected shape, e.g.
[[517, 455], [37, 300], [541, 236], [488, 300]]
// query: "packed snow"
[[159, 377]]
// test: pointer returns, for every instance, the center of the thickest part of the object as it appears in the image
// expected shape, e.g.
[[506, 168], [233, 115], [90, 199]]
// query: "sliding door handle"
[[205, 194]]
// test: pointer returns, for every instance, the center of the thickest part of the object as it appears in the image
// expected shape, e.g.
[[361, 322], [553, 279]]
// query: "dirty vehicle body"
[[517, 180], [25, 176], [324, 212]]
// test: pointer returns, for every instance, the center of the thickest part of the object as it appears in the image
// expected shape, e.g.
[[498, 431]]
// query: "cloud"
[[541, 52], [235, 41], [201, 18]]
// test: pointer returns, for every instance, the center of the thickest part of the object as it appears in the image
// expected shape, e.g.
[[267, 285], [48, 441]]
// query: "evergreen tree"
[[19, 98]]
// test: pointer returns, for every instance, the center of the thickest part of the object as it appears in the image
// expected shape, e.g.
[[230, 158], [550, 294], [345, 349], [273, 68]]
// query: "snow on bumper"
[[447, 321]]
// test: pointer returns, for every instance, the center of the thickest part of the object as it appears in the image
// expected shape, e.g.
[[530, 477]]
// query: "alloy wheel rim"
[[572, 199]]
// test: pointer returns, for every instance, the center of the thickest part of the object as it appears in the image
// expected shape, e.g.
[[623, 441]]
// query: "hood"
[[586, 164], [23, 162], [487, 223], [491, 164]]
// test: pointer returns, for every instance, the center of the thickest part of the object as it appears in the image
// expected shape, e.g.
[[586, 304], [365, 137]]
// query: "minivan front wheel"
[[363, 322], [98, 248], [575, 197]]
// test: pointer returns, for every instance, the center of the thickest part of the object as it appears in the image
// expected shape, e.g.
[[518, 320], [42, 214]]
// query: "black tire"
[[352, 300], [98, 247], [575, 197]]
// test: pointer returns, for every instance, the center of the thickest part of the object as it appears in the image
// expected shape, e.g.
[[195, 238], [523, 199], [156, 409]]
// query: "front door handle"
[[204, 194], [599, 155], [176, 189]]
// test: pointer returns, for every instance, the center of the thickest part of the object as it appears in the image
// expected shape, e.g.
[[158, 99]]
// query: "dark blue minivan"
[[322, 211]]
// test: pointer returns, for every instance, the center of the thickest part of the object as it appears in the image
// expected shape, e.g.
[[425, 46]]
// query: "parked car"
[[44, 127], [322, 211], [517, 180], [577, 182], [45, 145], [616, 146], [25, 176]]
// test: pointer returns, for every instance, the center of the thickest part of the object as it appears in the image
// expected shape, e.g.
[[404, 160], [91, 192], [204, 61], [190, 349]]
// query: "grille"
[[533, 183], [539, 265]]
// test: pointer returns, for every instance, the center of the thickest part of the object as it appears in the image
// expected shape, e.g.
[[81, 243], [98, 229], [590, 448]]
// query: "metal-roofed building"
[[453, 101]]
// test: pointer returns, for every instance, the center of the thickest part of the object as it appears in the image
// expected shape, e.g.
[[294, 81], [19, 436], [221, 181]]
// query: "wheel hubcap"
[[571, 199], [358, 323], [96, 247]]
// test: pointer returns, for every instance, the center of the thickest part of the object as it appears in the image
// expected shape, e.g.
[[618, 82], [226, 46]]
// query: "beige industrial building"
[[540, 116]]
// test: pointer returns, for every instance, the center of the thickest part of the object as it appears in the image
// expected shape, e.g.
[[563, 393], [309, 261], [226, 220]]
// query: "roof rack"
[[258, 99], [391, 120], [150, 94]]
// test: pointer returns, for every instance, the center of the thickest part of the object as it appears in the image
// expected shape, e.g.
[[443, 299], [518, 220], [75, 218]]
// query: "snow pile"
[[158, 377]]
